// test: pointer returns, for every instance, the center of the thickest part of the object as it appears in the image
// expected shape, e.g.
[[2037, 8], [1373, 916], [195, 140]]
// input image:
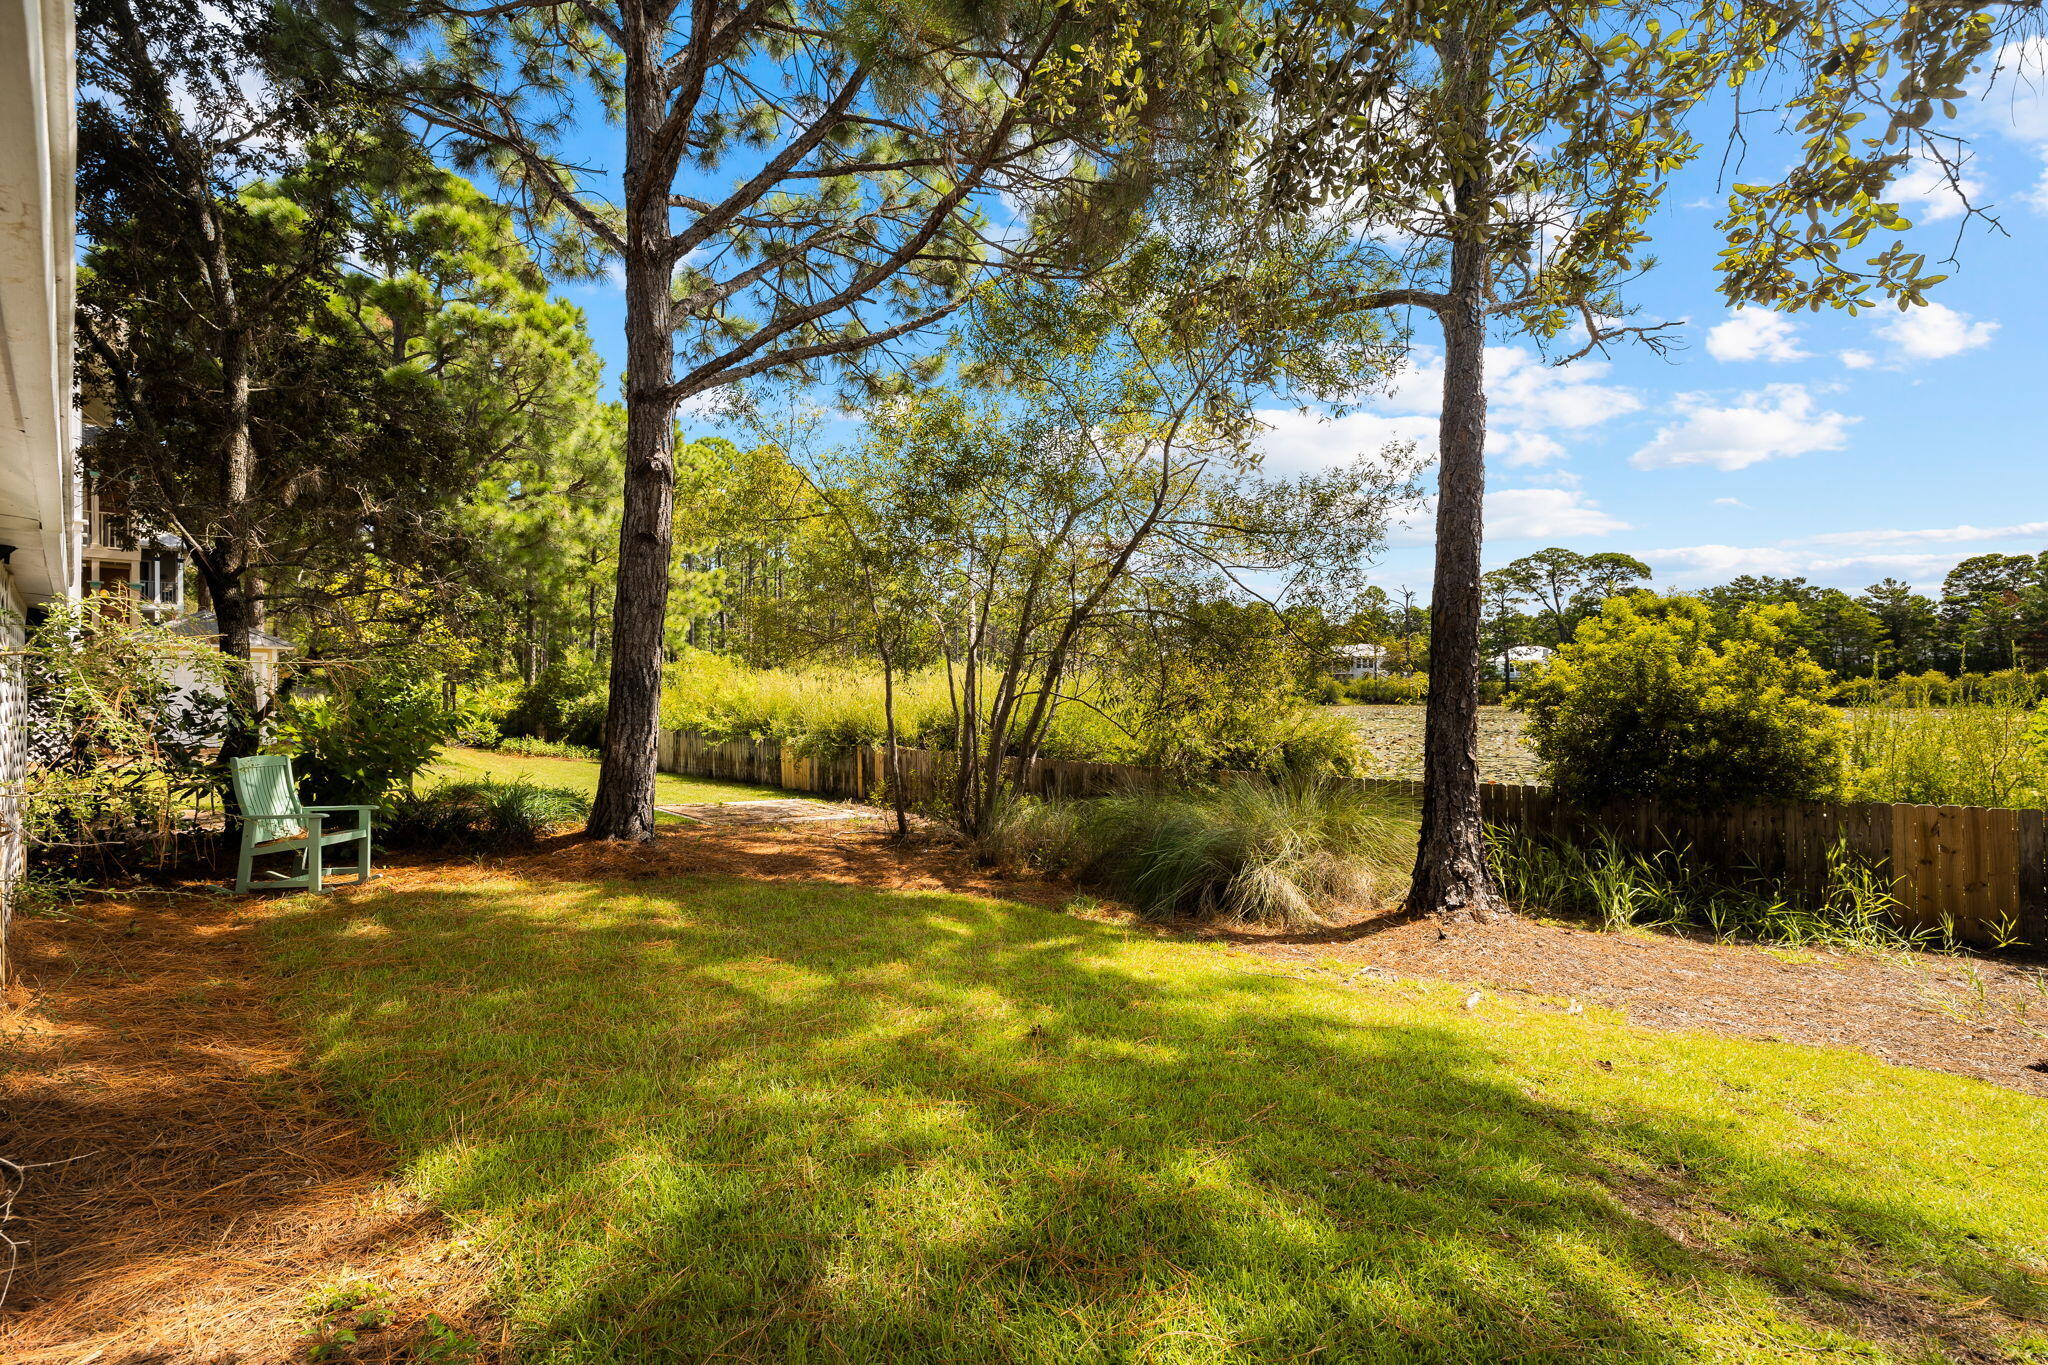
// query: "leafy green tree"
[[540, 535], [1506, 626], [1911, 630], [200, 308], [1568, 587], [313, 344], [1846, 635], [1103, 477], [1981, 607], [1511, 156], [801, 186], [1654, 700]]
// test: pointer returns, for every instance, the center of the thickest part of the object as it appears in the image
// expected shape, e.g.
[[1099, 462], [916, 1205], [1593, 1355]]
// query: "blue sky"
[[1841, 449]]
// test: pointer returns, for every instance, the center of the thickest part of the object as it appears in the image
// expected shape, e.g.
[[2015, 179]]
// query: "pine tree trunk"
[[1451, 875], [233, 614], [624, 808], [896, 793]]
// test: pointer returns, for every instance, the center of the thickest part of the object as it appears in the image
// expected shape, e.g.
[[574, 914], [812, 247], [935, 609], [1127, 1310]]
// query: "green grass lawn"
[[708, 1119], [580, 774]]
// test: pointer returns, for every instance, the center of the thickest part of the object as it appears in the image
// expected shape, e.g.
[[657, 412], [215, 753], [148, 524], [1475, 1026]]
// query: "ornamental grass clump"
[[477, 817], [1286, 853]]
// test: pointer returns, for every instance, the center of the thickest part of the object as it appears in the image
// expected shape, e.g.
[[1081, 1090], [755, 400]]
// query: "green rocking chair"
[[275, 821]]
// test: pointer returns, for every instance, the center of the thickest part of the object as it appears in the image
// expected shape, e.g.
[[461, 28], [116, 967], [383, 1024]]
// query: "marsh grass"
[[1288, 852], [1991, 751]]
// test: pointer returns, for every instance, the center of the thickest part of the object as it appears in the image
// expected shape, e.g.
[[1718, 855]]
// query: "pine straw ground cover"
[[693, 1116], [180, 1189]]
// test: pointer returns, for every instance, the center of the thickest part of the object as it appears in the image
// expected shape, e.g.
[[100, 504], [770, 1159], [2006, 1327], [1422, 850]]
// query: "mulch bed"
[[180, 1189], [1973, 1016]]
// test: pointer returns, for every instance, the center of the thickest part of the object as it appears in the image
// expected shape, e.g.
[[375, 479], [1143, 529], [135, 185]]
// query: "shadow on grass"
[[700, 1120]]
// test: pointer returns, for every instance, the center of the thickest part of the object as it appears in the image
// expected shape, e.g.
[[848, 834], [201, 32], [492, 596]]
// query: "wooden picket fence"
[[1981, 874]]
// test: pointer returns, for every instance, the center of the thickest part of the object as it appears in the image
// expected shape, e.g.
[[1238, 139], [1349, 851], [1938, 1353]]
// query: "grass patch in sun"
[[579, 775], [698, 1119]]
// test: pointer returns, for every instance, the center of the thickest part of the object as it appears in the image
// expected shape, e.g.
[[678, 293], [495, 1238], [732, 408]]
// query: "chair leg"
[[315, 864], [245, 869], [363, 856]]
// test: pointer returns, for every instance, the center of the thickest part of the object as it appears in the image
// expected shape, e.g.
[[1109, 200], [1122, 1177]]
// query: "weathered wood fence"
[[1981, 873]]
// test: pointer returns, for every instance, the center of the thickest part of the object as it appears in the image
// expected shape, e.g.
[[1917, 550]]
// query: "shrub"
[[482, 816], [118, 716], [481, 710], [1412, 690], [373, 733], [1304, 744], [546, 748], [565, 703], [1282, 853], [1652, 701]]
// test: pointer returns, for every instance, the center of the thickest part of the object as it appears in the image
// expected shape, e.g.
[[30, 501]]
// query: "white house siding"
[[38, 428], [13, 756]]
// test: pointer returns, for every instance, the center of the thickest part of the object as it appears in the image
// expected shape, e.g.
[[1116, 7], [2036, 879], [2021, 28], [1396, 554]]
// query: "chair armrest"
[[362, 813]]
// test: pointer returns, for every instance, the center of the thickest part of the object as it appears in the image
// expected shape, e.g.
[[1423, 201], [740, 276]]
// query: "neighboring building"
[[1352, 662], [122, 558], [1522, 657], [266, 654], [39, 512]]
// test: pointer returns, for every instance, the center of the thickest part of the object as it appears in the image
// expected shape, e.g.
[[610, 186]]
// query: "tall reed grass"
[[1285, 853], [1986, 749], [825, 709]]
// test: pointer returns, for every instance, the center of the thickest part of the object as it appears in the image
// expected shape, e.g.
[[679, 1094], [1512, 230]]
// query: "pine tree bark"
[[1452, 879], [624, 808]]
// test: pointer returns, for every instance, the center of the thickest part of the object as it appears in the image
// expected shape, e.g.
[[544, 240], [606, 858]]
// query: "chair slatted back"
[[268, 797]]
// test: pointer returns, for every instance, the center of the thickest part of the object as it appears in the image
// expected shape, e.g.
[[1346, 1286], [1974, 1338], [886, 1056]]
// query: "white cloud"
[[2014, 104], [1755, 334], [1730, 502], [1937, 194], [1527, 391], [1848, 557], [1295, 442], [1527, 399], [1519, 514], [1522, 390], [1857, 360], [1941, 535], [2016, 99], [1546, 514], [1524, 448], [1776, 422], [1934, 331], [1717, 563]]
